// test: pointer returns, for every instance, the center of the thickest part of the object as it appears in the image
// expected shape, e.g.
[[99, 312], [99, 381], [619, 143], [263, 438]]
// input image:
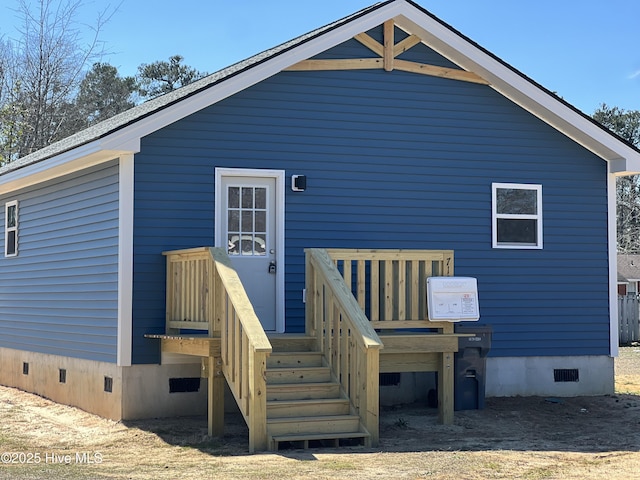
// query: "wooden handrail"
[[345, 336], [245, 348], [204, 292]]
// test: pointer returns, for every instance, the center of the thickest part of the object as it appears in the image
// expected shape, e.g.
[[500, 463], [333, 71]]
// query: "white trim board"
[[125, 260]]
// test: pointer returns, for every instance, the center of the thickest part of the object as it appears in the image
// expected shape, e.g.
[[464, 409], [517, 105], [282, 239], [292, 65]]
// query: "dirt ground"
[[524, 438]]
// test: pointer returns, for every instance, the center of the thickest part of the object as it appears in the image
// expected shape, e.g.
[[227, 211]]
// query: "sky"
[[587, 51]]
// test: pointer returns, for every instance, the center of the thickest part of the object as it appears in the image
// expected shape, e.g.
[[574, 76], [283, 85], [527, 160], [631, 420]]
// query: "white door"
[[246, 212]]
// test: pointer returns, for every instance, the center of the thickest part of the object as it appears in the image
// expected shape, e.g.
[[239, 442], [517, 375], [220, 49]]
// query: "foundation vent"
[[181, 385], [62, 375], [389, 379], [25, 368], [108, 384], [566, 375]]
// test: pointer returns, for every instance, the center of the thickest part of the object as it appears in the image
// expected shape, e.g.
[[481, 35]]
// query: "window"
[[11, 229], [516, 215]]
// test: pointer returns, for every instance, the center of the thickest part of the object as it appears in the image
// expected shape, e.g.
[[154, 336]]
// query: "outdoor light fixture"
[[298, 183]]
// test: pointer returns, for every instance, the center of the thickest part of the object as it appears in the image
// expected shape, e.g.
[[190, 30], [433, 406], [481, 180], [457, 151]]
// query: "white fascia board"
[[79, 158], [520, 90], [251, 76], [126, 140]]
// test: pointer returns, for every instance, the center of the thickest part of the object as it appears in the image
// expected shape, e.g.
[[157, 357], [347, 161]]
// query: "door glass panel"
[[247, 244], [233, 244], [247, 221], [234, 197], [261, 221], [247, 197], [234, 221], [261, 198]]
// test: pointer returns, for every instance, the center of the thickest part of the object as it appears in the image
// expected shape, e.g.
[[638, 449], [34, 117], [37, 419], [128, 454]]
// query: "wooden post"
[[445, 388], [310, 297], [258, 402], [389, 43], [372, 397], [215, 398]]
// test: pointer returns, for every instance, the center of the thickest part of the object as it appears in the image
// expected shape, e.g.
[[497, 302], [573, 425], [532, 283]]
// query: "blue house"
[[387, 129]]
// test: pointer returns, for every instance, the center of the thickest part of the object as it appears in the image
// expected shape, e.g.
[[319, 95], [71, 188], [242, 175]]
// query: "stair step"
[[302, 441], [291, 342], [295, 359], [302, 391], [311, 408], [313, 425], [298, 375]]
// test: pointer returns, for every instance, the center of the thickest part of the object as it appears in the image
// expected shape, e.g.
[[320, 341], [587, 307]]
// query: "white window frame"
[[495, 215], [8, 229]]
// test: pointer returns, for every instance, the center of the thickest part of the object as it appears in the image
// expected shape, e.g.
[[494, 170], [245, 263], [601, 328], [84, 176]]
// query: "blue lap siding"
[[393, 160], [60, 294]]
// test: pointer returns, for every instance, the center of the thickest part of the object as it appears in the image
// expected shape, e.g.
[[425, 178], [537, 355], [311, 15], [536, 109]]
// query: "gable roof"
[[121, 134]]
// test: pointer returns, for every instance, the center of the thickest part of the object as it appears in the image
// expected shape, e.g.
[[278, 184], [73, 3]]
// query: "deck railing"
[[189, 289], [390, 288], [345, 336], [204, 292], [390, 285]]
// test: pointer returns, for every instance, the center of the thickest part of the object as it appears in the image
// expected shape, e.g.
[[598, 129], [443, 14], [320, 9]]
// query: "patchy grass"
[[512, 438], [627, 367]]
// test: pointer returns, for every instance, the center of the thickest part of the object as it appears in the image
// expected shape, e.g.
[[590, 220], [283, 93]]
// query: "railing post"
[[310, 296], [171, 297], [257, 402], [371, 396]]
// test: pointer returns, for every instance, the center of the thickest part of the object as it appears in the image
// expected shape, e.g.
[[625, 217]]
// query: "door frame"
[[279, 177]]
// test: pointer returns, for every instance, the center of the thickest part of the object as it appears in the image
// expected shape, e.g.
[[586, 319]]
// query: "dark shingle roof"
[[628, 267], [146, 109], [124, 119]]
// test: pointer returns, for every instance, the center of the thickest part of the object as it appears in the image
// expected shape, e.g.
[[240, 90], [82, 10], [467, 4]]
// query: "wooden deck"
[[365, 315]]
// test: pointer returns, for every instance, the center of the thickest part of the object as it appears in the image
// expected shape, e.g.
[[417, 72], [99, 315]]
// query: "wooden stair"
[[305, 406]]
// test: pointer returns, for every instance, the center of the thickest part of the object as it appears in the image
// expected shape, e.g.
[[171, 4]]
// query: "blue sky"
[[585, 50]]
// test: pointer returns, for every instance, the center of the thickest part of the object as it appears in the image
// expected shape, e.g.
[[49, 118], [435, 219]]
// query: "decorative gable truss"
[[388, 60]]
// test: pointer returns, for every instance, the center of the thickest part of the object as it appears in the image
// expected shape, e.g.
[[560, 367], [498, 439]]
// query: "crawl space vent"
[[566, 375], [177, 385]]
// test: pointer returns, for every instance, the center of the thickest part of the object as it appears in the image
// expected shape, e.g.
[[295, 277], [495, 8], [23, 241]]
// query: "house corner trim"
[[125, 260]]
